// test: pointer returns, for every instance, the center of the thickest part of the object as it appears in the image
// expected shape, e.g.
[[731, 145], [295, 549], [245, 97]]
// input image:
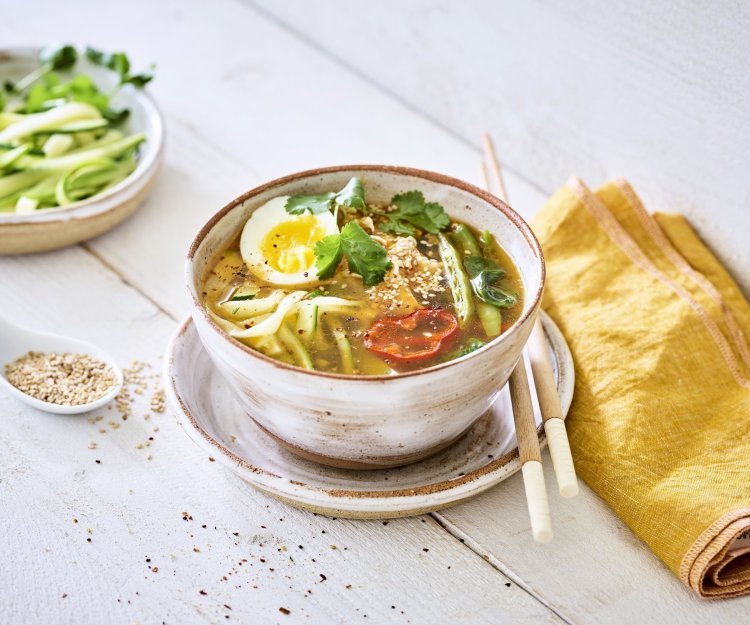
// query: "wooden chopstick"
[[541, 367], [549, 405], [520, 396]]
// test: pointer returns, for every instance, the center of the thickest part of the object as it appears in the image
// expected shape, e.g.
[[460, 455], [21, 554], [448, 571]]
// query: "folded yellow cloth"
[[660, 420]]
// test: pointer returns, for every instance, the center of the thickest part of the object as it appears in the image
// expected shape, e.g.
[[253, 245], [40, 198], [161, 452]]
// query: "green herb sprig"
[[352, 196], [365, 256], [51, 58], [412, 212], [120, 63]]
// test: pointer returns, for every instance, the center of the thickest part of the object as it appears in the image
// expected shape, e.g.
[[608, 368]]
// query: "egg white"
[[260, 223]]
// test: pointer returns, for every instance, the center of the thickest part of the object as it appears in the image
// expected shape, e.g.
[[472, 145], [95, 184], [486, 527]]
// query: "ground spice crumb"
[[285, 611], [210, 459], [348, 586], [155, 569], [202, 592], [63, 379], [64, 595], [323, 577]]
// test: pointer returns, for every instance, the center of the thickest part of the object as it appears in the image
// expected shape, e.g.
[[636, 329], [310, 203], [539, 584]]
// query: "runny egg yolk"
[[289, 246]]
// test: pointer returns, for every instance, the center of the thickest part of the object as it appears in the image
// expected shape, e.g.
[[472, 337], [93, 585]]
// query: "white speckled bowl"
[[53, 228], [355, 421]]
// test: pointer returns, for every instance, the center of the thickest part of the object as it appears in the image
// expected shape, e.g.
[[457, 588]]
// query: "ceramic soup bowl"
[[357, 421]]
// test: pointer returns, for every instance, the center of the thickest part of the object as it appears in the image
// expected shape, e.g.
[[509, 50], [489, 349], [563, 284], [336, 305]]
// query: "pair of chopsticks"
[[549, 402]]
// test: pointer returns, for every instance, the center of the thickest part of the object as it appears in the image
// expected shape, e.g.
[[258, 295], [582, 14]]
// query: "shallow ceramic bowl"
[[356, 421], [53, 228]]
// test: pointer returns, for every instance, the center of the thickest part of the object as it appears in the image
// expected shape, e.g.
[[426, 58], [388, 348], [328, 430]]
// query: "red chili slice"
[[413, 337]]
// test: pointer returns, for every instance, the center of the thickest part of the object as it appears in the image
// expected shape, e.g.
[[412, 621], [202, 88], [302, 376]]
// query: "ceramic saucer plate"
[[209, 414]]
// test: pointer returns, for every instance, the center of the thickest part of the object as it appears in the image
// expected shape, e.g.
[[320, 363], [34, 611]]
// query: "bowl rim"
[[143, 168], [425, 174]]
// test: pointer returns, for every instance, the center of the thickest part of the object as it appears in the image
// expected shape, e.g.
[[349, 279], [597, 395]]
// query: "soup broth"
[[399, 297]]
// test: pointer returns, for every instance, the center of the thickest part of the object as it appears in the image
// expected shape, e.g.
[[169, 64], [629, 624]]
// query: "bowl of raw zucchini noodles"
[[365, 316], [81, 142]]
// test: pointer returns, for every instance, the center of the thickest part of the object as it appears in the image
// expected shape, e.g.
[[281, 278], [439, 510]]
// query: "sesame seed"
[[63, 379]]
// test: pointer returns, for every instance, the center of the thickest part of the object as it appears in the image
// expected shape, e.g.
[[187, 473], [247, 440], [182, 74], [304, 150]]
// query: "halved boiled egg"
[[280, 248]]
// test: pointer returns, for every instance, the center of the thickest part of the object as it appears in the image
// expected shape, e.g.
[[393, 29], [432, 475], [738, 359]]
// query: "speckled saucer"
[[209, 414]]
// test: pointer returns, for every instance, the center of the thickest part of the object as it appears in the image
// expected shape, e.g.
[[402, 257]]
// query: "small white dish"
[[53, 228], [16, 341], [212, 418]]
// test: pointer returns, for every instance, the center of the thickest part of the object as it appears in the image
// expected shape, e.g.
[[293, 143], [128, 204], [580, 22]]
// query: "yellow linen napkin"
[[660, 420]]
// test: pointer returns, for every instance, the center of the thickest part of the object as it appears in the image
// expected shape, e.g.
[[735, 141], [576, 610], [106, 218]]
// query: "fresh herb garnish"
[[352, 196], [328, 254], [313, 294], [413, 212], [242, 298], [51, 58], [363, 254], [483, 273], [120, 63]]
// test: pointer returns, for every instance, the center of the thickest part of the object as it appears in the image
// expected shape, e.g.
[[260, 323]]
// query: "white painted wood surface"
[[247, 99]]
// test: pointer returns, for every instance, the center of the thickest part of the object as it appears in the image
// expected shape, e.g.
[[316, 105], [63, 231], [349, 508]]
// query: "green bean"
[[458, 281], [466, 241]]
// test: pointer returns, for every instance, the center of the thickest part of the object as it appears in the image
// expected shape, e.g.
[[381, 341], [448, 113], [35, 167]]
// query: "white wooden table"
[[256, 90]]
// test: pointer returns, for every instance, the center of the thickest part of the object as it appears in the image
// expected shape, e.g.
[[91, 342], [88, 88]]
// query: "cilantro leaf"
[[298, 204], [140, 80], [58, 57], [51, 58], [432, 218], [352, 195], [120, 63], [394, 225], [328, 255], [412, 211], [483, 273], [364, 255]]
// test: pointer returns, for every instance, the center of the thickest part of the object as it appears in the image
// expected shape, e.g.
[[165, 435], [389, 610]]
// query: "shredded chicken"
[[412, 280]]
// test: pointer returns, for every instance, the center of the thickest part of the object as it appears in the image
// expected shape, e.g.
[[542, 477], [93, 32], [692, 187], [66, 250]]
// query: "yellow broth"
[[230, 274]]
